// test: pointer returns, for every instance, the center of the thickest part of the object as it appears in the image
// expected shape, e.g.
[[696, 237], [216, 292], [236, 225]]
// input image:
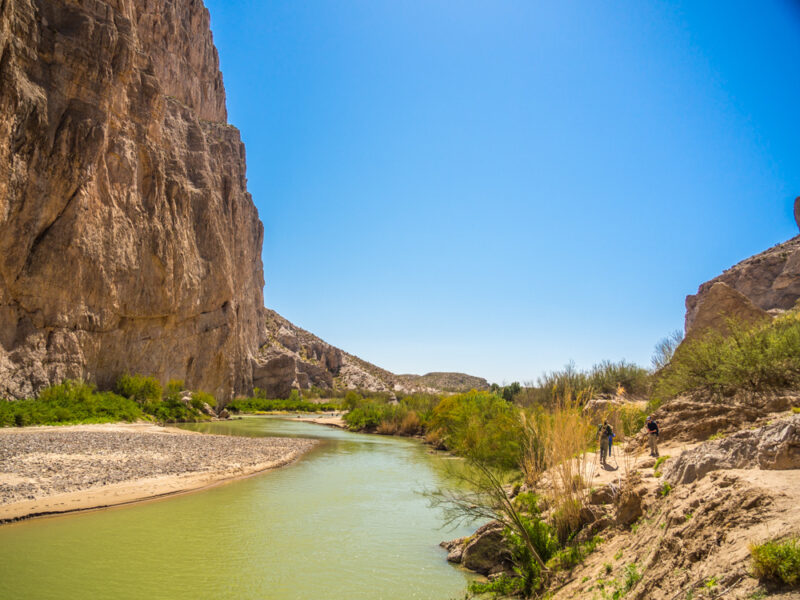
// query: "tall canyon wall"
[[128, 240]]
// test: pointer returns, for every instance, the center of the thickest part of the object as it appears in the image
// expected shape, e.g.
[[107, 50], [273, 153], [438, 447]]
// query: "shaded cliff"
[[130, 242]]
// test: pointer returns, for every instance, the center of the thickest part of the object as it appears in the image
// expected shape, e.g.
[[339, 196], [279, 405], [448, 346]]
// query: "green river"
[[345, 522]]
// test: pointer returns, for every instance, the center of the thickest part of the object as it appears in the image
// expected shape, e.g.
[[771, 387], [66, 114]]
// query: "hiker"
[[652, 435], [602, 433], [611, 435]]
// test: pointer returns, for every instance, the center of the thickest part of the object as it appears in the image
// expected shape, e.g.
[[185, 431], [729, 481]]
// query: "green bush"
[[755, 358], [67, 403], [139, 388], [254, 405], [481, 425], [777, 561], [199, 398]]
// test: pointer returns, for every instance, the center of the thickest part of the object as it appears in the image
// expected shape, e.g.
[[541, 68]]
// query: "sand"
[[49, 470]]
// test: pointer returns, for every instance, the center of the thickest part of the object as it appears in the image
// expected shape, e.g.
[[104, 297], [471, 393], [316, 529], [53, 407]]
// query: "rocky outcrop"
[[484, 552], [130, 242], [770, 281], [719, 305], [775, 447]]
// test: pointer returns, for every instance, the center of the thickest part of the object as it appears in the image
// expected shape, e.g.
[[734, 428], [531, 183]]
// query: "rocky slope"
[[293, 358], [769, 281], [130, 242]]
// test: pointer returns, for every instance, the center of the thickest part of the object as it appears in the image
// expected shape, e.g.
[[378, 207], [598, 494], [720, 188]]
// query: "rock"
[[770, 280], [604, 495], [630, 505], [775, 446], [718, 304], [486, 549], [797, 211], [130, 242], [224, 414]]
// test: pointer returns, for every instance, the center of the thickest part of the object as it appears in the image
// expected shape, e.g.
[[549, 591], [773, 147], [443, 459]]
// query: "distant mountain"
[[447, 382], [293, 358]]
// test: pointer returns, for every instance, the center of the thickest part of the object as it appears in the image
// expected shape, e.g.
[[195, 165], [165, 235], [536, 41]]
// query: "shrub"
[[481, 425], [777, 561], [254, 405], [69, 402], [139, 388], [755, 358], [200, 398]]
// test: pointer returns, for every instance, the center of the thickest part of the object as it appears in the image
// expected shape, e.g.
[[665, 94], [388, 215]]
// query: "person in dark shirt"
[[652, 435]]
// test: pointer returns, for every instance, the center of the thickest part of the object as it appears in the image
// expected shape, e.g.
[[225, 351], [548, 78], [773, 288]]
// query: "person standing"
[[652, 435], [603, 435]]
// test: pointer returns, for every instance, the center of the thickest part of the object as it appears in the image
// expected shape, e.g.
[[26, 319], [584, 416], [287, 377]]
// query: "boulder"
[[486, 550], [630, 504], [775, 446], [717, 305]]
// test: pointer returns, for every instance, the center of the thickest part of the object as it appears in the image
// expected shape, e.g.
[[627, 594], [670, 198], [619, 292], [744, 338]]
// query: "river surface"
[[345, 522]]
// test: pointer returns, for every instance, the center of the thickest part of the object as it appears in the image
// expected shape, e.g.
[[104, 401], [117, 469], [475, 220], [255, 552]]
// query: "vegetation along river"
[[346, 521]]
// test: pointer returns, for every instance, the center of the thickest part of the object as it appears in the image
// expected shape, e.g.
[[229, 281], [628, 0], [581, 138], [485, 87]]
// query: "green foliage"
[[255, 405], [572, 555], [481, 425], [632, 576], [66, 403], [510, 391], [605, 377], [139, 388], [199, 398], [502, 587], [175, 386], [753, 358], [796, 410], [777, 561], [409, 416], [660, 461], [665, 489]]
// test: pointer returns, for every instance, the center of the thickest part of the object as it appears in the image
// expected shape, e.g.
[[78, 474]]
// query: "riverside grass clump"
[[777, 561], [753, 358]]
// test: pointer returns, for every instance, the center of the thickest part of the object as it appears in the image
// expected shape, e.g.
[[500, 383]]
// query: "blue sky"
[[500, 187]]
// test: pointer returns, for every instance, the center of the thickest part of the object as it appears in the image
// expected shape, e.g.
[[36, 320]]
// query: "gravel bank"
[[45, 470]]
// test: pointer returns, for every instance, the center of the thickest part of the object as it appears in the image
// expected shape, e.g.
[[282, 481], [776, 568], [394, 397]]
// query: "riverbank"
[[48, 470]]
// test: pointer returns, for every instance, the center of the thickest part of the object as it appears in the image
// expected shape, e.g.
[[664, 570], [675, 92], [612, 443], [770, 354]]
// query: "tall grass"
[[558, 441], [777, 561], [605, 377]]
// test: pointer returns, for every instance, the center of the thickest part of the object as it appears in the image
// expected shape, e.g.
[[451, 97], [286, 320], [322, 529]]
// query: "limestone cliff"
[[129, 240], [293, 358], [769, 281]]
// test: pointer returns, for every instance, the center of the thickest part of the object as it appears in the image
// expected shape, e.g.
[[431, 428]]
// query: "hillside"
[[293, 358]]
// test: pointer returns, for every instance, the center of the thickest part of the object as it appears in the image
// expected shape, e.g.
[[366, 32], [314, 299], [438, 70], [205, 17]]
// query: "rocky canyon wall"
[[128, 240]]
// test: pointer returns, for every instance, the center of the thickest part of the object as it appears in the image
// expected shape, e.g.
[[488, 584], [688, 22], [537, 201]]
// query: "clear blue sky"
[[500, 187]]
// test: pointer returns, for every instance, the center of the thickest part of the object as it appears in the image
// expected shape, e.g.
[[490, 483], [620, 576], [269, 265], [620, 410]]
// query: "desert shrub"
[[139, 388], [200, 398], [777, 561], [605, 377], [255, 405], [755, 358], [66, 403], [352, 399], [479, 424]]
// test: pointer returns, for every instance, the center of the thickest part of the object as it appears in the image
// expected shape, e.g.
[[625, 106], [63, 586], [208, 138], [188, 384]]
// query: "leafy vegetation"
[[68, 403], [135, 397], [755, 358], [259, 405], [777, 561]]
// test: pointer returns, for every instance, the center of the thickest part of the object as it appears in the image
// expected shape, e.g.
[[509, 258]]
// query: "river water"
[[345, 522]]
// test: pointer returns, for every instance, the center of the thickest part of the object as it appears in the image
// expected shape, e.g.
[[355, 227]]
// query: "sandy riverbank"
[[45, 470]]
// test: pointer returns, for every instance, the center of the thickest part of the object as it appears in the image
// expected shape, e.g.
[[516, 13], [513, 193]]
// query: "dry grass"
[[558, 443]]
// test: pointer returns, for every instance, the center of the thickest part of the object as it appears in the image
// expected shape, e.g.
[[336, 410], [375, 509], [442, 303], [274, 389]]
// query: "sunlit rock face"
[[769, 281], [128, 239]]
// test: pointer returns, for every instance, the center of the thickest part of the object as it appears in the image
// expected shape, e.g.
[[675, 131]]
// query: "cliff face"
[[769, 281], [129, 241]]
